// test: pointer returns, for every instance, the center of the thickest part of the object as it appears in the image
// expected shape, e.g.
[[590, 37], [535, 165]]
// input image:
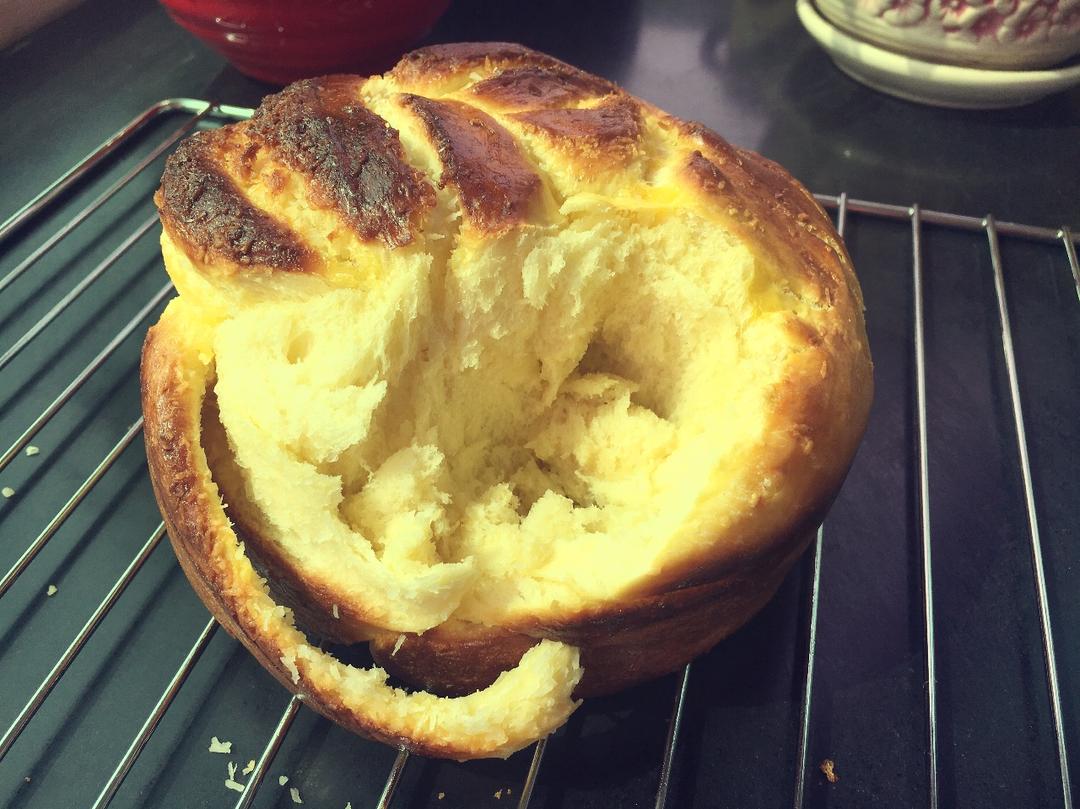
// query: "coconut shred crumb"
[[235, 786], [51, 590], [217, 746], [498, 794], [334, 610], [282, 780], [31, 451], [441, 795], [397, 644], [294, 793], [828, 769], [231, 769], [248, 767], [289, 662], [7, 491]]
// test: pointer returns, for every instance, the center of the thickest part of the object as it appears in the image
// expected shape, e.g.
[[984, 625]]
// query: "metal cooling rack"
[[46, 221]]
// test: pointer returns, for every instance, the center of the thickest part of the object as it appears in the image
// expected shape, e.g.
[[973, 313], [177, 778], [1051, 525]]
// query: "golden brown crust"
[[765, 199], [352, 158], [437, 62], [203, 208], [495, 182], [610, 131], [539, 87]]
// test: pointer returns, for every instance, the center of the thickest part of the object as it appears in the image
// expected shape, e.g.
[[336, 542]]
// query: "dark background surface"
[[747, 70]]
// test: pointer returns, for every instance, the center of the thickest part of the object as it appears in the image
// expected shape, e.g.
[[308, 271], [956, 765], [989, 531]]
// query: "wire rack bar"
[[268, 753], [77, 290], [952, 220], [53, 677], [530, 776], [1029, 498], [1070, 251], [76, 172], [674, 726], [228, 112], [83, 375], [924, 503], [150, 725], [392, 779], [803, 749], [54, 524], [104, 197]]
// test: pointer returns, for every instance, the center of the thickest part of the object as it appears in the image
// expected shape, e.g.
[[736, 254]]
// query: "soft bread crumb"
[[294, 793], [7, 491], [828, 767], [31, 450], [51, 591], [217, 746], [248, 767]]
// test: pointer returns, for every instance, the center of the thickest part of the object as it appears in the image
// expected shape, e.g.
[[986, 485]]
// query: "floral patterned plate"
[[930, 82]]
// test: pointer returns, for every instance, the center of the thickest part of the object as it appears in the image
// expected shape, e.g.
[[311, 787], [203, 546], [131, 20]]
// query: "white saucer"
[[930, 82]]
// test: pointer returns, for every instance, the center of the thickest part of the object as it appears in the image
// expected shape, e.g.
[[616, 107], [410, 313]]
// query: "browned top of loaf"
[[482, 160], [457, 59], [539, 87], [612, 126], [325, 132]]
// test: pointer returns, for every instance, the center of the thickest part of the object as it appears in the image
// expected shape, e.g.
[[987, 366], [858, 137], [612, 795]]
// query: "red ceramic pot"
[[280, 41]]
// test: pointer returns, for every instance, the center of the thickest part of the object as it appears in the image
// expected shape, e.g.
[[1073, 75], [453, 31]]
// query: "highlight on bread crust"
[[535, 388]]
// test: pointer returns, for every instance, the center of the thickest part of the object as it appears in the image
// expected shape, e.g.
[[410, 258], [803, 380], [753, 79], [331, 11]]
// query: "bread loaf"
[[536, 389]]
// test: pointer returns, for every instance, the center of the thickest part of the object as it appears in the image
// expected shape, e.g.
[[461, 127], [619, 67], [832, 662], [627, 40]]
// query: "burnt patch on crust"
[[482, 160], [610, 131], [539, 87], [202, 207], [352, 157]]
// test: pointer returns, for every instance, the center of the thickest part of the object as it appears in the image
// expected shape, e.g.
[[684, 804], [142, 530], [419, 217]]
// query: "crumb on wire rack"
[[828, 768], [218, 746]]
